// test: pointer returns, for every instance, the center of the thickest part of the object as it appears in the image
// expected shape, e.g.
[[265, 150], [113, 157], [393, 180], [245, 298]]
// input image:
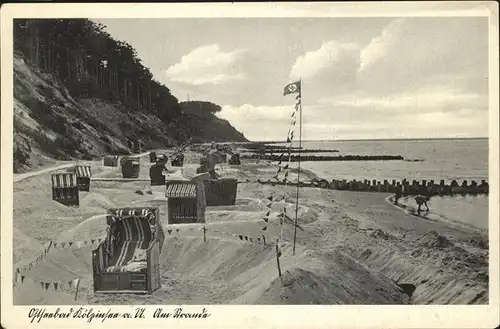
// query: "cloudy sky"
[[362, 77]]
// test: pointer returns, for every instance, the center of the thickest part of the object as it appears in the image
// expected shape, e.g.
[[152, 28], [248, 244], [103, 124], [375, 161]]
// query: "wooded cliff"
[[79, 93]]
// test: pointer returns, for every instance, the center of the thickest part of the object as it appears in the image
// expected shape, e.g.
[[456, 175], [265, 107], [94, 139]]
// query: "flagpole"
[[298, 172]]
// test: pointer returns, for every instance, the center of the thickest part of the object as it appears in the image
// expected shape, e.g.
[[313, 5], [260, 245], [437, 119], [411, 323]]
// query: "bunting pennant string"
[[291, 88], [51, 246], [58, 286], [238, 236], [285, 170]]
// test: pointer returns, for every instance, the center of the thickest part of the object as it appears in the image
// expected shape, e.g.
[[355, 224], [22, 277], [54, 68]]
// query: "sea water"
[[448, 159]]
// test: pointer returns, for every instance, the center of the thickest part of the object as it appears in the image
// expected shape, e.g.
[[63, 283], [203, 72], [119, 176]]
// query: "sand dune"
[[353, 248]]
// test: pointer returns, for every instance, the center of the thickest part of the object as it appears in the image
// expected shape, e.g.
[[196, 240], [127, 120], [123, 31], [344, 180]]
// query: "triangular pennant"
[[279, 170], [47, 285], [286, 174], [69, 283], [70, 243], [22, 278], [258, 239], [246, 238], [264, 228], [286, 166], [177, 230], [241, 237], [56, 285], [270, 198], [92, 241], [75, 283], [169, 232], [288, 140], [267, 214], [265, 219]]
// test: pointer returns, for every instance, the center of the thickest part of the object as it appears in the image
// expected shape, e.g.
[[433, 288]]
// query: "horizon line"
[[372, 139]]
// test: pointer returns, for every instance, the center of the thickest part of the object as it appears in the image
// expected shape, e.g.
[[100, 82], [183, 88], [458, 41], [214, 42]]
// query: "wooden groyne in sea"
[[406, 188], [424, 187], [292, 150], [415, 188], [295, 158]]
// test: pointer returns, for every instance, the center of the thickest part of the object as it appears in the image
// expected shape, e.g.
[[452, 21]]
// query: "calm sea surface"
[[459, 159]]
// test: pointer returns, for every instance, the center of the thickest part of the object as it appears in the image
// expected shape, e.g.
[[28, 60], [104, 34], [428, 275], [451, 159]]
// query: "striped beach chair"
[[83, 175], [65, 189], [185, 201], [127, 261]]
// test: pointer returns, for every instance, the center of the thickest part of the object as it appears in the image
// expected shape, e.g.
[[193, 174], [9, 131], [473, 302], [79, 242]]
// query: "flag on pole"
[[292, 88]]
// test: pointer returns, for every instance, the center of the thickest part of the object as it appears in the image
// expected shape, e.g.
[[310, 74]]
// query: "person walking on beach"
[[398, 193], [422, 200]]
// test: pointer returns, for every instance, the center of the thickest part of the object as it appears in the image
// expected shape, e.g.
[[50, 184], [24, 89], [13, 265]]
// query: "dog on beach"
[[422, 200]]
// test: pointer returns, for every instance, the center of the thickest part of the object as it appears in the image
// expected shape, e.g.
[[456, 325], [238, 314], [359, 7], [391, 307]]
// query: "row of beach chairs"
[[187, 199]]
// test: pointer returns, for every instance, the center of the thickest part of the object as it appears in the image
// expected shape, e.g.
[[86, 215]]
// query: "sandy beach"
[[352, 247]]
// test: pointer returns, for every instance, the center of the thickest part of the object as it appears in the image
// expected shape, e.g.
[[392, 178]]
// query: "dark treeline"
[[92, 64]]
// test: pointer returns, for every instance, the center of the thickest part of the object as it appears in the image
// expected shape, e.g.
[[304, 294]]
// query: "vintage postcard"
[[250, 165]]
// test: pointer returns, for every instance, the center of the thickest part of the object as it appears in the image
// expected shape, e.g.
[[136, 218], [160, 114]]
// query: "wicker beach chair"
[[65, 189], [128, 260]]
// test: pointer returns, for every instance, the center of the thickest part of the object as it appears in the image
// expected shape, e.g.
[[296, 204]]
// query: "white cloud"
[[207, 65], [335, 59], [379, 46], [416, 78], [432, 99], [261, 122], [409, 52]]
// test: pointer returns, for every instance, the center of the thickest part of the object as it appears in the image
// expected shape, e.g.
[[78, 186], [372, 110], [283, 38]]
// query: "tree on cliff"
[[93, 64], [200, 108]]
